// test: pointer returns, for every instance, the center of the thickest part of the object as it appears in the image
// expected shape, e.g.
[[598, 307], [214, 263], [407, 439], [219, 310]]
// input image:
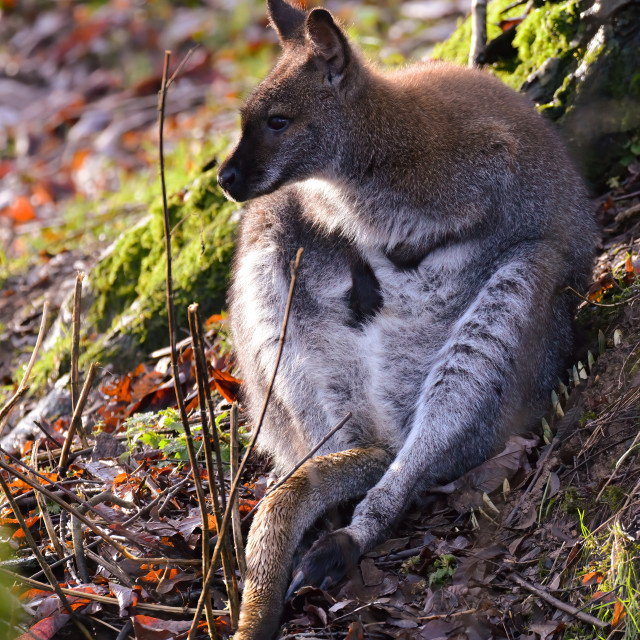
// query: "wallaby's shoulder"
[[459, 99]]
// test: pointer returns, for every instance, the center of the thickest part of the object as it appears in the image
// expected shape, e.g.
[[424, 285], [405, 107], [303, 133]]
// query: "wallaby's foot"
[[326, 562]]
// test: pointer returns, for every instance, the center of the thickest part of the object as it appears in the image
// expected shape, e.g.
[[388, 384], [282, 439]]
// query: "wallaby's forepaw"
[[326, 562]]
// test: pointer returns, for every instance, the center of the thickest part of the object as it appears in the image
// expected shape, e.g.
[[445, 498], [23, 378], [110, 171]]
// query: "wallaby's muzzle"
[[229, 180]]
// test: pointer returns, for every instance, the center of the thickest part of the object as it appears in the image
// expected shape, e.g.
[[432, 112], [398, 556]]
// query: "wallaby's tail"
[[281, 521]]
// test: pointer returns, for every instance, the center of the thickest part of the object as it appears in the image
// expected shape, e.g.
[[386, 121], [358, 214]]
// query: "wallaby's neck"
[[381, 171]]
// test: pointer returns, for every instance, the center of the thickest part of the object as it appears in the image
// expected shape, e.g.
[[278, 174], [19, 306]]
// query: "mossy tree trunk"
[[579, 62]]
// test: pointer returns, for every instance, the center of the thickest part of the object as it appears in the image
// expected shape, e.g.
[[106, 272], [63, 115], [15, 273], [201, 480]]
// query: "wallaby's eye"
[[277, 123]]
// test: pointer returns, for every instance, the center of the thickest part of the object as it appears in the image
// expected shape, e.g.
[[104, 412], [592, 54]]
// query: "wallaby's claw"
[[326, 563], [296, 583]]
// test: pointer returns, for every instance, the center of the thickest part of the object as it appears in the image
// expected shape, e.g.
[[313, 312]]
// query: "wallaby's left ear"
[[328, 43]]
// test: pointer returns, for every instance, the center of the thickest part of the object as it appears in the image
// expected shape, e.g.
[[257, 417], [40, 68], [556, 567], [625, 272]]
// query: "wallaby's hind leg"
[[281, 521]]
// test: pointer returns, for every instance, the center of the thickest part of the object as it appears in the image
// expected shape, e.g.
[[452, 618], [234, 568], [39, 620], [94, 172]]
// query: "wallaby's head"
[[292, 121]]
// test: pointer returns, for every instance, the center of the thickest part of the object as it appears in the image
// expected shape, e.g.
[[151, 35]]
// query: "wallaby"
[[442, 222]]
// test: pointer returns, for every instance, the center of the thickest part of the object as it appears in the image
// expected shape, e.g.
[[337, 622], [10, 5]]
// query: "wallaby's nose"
[[227, 176]]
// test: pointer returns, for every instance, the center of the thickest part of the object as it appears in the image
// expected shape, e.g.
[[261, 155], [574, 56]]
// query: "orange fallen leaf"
[[20, 210], [589, 577], [618, 613]]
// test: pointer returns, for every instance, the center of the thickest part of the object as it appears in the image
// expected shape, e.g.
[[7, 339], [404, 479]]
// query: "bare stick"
[[558, 604], [76, 420], [478, 30], [75, 340], [40, 558], [312, 452], [175, 74], [5, 412], [236, 524], [210, 408], [202, 380], [42, 505], [601, 304], [67, 507], [76, 593], [307, 457], [236, 481], [172, 340]]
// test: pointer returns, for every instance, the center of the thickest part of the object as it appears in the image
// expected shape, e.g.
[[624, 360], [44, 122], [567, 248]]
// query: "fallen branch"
[[106, 599], [558, 604], [76, 420], [6, 410]]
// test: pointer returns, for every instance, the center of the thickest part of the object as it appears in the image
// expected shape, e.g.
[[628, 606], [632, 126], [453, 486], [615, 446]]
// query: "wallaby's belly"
[[375, 369]]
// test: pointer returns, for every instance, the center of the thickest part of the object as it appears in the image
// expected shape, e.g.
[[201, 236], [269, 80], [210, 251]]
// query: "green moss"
[[130, 282], [572, 501], [614, 497], [128, 318], [545, 33]]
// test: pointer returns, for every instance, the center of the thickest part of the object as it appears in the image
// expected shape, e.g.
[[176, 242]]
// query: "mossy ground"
[[127, 286]]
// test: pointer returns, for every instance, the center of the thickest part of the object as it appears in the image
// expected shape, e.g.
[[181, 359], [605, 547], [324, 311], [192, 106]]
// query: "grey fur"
[[437, 162]]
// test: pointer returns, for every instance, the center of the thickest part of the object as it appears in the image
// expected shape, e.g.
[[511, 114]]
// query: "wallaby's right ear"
[[287, 20], [329, 45]]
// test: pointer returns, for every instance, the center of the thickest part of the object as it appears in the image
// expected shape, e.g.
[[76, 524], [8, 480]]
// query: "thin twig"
[[210, 409], [75, 340], [558, 604], [312, 452], [236, 523], [106, 599], [76, 420], [172, 340], [540, 468], [202, 380], [301, 462], [6, 410], [42, 505], [256, 432], [52, 483], [175, 74], [600, 304], [40, 558]]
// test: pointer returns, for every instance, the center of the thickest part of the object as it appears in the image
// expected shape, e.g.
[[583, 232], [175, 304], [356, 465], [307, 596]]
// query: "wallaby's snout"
[[227, 177], [240, 171]]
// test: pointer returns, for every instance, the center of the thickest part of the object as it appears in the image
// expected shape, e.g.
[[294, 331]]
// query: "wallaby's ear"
[[328, 43], [287, 20]]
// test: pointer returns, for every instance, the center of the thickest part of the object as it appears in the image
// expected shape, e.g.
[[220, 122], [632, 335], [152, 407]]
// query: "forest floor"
[[541, 541]]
